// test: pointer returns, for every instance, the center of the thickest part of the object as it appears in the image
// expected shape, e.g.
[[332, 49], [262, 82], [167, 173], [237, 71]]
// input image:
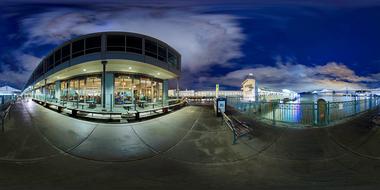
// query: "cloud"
[[298, 77], [26, 64], [202, 39], [341, 72], [375, 76]]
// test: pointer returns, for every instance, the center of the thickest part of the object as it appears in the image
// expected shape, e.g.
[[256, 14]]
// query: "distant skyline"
[[296, 45]]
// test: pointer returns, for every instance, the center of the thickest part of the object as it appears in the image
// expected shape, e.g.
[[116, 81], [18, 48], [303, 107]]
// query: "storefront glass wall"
[[50, 91], [82, 89], [130, 88], [63, 90], [93, 90]]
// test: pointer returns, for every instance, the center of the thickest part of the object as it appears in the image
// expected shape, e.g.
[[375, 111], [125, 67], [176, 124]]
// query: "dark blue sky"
[[285, 44]]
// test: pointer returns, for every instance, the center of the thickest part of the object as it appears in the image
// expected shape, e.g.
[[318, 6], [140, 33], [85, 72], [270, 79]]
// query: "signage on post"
[[220, 106]]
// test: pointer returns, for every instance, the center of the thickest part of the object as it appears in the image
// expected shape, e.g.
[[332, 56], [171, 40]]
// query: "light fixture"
[[158, 73], [129, 68], [84, 70]]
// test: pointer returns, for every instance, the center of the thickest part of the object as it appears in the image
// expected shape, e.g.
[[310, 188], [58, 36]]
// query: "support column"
[[33, 92], [109, 86], [165, 88], [45, 90], [57, 90], [104, 63]]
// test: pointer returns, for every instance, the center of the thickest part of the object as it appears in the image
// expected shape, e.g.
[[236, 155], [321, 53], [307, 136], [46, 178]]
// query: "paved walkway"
[[186, 149]]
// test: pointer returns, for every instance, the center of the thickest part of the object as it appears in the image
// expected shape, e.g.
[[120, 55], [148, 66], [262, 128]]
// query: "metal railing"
[[204, 100], [151, 109], [313, 114], [5, 112]]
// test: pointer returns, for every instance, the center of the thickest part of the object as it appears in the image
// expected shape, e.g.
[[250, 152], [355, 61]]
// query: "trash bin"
[[220, 106]]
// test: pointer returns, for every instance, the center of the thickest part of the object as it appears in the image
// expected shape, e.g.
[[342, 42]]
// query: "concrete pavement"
[[186, 149]]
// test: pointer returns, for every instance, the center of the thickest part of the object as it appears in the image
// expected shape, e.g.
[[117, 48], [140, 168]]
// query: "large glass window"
[[115, 43], [64, 91], [172, 59], [93, 44], [93, 89], [123, 90], [57, 57], [48, 66], [38, 93], [130, 89], [162, 53], [151, 48], [40, 70], [146, 89], [157, 91], [73, 89], [66, 53], [82, 89], [50, 90], [134, 44], [77, 48]]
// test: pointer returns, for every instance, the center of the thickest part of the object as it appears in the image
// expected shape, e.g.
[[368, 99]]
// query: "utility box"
[[220, 106]]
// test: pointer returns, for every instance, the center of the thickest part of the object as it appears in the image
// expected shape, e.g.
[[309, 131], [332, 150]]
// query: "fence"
[[315, 114], [5, 100]]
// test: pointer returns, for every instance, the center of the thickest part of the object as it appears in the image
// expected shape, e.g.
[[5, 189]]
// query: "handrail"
[[230, 125], [136, 113], [4, 114]]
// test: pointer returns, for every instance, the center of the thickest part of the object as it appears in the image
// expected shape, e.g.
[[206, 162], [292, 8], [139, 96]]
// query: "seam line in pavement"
[[353, 151], [61, 151]]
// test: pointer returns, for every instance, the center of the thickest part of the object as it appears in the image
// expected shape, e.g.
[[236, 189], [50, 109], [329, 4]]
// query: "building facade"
[[7, 94], [205, 93], [250, 88], [252, 92], [108, 69]]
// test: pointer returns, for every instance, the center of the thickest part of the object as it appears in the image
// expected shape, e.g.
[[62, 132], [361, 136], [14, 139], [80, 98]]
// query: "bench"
[[238, 128], [130, 115], [74, 112]]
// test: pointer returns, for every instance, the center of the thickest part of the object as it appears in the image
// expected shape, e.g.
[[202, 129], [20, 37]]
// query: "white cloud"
[[202, 39], [298, 77], [26, 64]]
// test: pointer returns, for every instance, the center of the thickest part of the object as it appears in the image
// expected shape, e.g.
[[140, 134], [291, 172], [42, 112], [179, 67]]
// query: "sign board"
[[222, 106]]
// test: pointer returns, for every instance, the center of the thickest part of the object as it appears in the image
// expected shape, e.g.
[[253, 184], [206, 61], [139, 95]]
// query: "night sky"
[[297, 45]]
